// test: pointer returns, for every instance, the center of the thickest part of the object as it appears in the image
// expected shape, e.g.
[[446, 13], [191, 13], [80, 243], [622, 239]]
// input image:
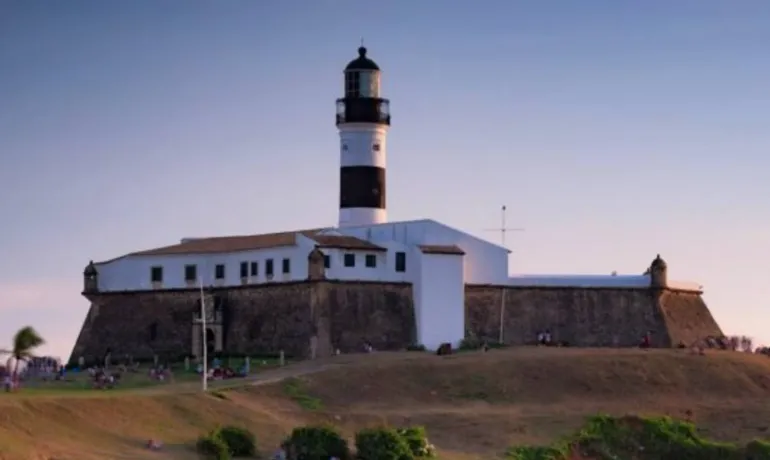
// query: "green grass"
[[295, 389], [638, 438]]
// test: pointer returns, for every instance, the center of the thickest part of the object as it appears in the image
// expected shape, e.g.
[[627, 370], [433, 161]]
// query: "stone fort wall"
[[255, 319], [589, 317], [325, 315]]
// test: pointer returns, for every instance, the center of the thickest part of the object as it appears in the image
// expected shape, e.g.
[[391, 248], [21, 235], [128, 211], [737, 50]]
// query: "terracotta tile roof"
[[227, 244], [224, 244], [442, 249], [344, 242]]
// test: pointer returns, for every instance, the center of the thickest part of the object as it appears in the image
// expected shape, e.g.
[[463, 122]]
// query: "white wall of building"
[[440, 300], [485, 262], [134, 272], [384, 271]]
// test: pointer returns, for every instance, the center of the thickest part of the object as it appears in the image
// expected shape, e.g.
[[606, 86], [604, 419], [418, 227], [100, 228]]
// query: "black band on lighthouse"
[[362, 187]]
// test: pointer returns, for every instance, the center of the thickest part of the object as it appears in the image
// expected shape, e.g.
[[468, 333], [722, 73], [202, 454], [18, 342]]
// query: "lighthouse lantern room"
[[363, 119]]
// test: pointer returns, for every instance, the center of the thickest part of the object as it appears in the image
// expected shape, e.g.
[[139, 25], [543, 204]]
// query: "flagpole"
[[204, 375]]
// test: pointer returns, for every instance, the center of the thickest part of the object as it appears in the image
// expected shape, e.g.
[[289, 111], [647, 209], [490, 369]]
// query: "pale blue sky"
[[613, 130]]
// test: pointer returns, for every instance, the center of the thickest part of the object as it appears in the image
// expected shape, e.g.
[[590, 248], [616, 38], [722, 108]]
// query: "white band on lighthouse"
[[358, 217]]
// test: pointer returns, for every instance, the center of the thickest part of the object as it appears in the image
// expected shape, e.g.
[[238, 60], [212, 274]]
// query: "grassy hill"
[[474, 405]]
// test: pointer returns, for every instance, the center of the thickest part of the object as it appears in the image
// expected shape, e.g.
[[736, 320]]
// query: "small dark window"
[[219, 271], [371, 260], [190, 272], [352, 84], [153, 331], [344, 147], [350, 260], [254, 269], [376, 147], [286, 266], [400, 261], [269, 267], [244, 269], [327, 261], [156, 274]]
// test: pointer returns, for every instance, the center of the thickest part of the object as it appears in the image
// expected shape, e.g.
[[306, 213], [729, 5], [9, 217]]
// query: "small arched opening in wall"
[[211, 341]]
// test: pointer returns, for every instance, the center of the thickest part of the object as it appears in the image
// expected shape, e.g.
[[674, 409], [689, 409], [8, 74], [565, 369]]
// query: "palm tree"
[[24, 343]]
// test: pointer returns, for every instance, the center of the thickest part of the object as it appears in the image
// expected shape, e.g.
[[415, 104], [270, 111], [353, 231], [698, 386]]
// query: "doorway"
[[211, 341]]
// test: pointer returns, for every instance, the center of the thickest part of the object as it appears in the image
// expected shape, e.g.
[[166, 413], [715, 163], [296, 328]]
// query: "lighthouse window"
[[344, 147], [352, 84], [376, 147]]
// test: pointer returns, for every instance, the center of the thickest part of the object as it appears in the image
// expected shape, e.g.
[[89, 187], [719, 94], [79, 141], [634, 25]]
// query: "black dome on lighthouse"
[[362, 62]]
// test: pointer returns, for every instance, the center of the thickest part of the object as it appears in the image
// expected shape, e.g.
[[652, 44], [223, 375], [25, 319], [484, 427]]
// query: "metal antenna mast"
[[503, 230]]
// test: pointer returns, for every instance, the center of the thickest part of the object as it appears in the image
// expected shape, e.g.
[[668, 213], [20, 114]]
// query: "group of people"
[[43, 368], [544, 338], [219, 372]]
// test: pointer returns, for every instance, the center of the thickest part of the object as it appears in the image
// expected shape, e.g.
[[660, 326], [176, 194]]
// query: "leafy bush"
[[315, 442], [417, 440], [416, 347], [660, 438], [212, 447], [240, 442], [382, 444], [535, 453], [758, 450]]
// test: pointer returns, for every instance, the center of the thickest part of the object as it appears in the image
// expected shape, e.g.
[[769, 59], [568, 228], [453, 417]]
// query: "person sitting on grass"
[[645, 342], [7, 383]]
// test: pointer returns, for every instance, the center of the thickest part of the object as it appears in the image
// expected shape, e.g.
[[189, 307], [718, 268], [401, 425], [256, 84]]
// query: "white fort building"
[[438, 261]]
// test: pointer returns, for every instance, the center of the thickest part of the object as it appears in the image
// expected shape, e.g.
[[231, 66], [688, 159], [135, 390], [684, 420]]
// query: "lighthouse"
[[363, 119]]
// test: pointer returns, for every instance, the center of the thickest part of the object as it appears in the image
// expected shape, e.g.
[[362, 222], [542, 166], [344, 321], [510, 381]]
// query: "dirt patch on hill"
[[473, 405]]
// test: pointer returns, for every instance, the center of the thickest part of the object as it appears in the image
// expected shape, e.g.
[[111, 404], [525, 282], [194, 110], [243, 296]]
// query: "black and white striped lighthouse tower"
[[363, 119]]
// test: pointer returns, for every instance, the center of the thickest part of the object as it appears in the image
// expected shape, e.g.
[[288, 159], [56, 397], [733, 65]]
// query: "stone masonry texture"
[[588, 317], [262, 319], [256, 320]]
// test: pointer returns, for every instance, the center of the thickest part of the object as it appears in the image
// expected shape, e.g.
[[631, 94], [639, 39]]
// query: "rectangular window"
[[350, 260], [371, 260], [327, 261], [269, 267], [156, 274], [219, 272], [254, 269], [400, 261], [190, 272], [244, 269], [286, 266]]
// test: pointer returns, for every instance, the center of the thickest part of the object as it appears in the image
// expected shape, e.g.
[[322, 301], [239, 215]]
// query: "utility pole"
[[204, 374], [503, 230]]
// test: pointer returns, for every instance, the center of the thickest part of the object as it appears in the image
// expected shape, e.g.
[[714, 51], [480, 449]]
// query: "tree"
[[24, 343]]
